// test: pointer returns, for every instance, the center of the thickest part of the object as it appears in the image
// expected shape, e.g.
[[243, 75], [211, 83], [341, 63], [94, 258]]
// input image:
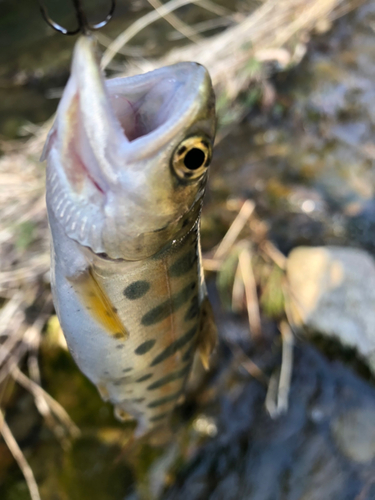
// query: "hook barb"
[[83, 24]]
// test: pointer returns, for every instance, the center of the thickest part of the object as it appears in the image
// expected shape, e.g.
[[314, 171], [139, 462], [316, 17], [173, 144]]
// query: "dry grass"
[[276, 32]]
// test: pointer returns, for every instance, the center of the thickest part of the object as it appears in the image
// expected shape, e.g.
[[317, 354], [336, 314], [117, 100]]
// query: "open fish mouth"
[[111, 147]]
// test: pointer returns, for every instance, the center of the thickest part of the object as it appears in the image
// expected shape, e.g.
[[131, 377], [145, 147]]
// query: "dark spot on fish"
[[193, 310], [118, 335], [138, 400], [175, 346], [145, 377], [166, 308], [137, 289], [157, 314], [120, 346], [183, 265], [159, 417], [120, 381], [182, 150], [185, 222], [189, 353], [171, 377], [114, 309], [193, 285], [166, 399], [106, 373], [145, 347], [125, 370]]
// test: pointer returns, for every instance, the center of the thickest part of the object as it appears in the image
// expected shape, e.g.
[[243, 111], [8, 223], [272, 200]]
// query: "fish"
[[127, 167]]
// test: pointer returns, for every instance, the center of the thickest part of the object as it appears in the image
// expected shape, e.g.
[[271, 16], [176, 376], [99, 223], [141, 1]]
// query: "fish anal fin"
[[99, 306], [207, 336], [102, 389]]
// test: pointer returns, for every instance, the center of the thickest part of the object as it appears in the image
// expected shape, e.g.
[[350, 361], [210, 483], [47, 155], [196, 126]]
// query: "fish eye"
[[192, 157]]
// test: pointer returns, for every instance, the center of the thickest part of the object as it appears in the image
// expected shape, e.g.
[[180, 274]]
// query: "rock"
[[332, 291], [354, 434]]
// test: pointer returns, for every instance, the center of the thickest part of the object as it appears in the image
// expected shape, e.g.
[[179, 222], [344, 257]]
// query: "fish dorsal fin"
[[95, 299], [207, 336]]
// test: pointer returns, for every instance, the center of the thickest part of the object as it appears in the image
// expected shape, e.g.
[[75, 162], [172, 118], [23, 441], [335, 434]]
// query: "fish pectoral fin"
[[207, 336], [96, 301]]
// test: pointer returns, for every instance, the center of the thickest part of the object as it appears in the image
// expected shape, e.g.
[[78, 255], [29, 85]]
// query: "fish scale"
[[124, 206], [153, 300]]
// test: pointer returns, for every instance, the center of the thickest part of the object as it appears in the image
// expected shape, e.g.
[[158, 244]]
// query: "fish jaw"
[[110, 183]]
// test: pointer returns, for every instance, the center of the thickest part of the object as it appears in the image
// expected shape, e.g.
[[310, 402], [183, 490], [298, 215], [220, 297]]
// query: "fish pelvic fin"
[[207, 336]]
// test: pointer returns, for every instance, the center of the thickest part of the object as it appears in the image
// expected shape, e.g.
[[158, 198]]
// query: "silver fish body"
[[127, 164]]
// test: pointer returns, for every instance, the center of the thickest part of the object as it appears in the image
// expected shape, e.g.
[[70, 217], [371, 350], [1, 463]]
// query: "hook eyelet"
[[83, 25]]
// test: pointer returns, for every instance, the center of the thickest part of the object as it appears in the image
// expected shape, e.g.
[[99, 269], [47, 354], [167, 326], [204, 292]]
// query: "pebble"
[[354, 434]]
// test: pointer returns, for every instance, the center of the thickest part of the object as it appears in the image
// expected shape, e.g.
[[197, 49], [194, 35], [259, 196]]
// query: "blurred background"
[[287, 409]]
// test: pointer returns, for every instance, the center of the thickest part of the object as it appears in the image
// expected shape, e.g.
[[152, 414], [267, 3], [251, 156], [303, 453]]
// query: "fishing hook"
[[83, 24]]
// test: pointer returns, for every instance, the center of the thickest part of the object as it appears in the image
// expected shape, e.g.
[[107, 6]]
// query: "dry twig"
[[150, 18], [252, 304], [29, 340], [181, 27], [53, 405], [286, 367], [236, 227], [221, 22], [277, 399], [238, 291], [20, 458], [274, 254]]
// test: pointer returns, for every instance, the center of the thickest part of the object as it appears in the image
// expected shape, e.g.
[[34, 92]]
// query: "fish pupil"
[[194, 159]]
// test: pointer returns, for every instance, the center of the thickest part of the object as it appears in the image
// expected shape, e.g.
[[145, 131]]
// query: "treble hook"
[[83, 24]]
